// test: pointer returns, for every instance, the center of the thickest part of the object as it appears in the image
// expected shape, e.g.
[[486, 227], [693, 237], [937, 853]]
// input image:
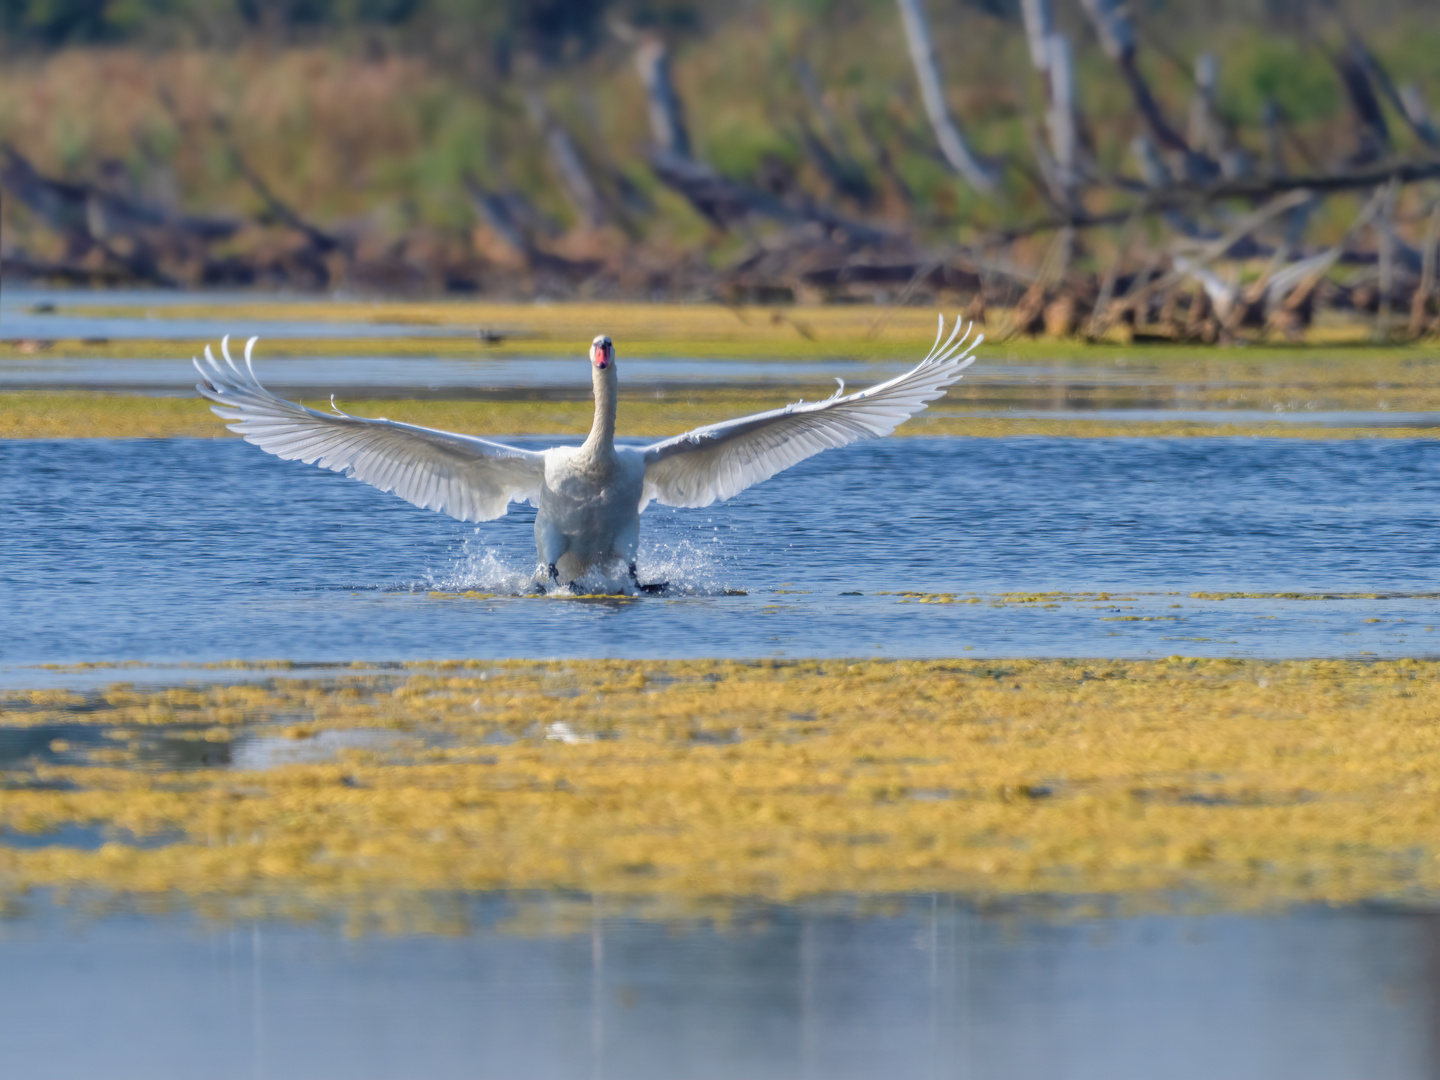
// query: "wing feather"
[[717, 462], [468, 478]]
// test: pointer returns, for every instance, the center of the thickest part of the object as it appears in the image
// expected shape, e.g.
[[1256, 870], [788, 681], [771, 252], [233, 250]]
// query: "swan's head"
[[602, 353]]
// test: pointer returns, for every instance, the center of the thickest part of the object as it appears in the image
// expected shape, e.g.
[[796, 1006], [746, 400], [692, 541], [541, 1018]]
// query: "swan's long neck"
[[602, 431]]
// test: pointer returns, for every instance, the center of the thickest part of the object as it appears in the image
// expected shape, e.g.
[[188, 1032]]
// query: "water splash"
[[691, 568], [481, 569]]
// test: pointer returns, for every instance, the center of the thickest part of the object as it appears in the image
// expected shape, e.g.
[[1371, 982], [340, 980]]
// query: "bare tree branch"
[[1051, 57], [1372, 133], [927, 73], [830, 153], [1420, 302], [1249, 189], [876, 148], [1398, 99], [1215, 249], [319, 239], [1417, 114], [1100, 314], [1117, 38], [667, 122], [580, 190]]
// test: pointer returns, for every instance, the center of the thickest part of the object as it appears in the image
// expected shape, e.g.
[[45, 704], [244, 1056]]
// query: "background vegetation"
[[370, 116]]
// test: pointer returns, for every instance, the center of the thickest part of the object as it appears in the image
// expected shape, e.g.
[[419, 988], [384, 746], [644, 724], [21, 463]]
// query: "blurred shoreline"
[[432, 154]]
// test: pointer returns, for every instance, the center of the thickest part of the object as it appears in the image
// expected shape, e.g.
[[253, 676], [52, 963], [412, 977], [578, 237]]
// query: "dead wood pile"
[[1206, 237]]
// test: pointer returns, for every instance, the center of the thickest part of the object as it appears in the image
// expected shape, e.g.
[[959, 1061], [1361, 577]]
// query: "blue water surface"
[[935, 990], [197, 550]]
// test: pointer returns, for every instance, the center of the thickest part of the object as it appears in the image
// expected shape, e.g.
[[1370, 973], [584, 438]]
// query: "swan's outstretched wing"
[[460, 475], [722, 460]]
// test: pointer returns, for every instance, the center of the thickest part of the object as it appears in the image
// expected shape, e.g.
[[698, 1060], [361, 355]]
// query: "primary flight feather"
[[588, 498]]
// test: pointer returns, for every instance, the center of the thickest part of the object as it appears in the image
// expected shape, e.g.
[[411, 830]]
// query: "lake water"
[[388, 376], [29, 313], [178, 552], [932, 990], [199, 550]]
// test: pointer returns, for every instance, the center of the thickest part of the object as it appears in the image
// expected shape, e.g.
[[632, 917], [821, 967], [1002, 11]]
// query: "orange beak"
[[600, 356]]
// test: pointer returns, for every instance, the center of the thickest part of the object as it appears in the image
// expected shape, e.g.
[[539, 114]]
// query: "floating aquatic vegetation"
[[1246, 782], [1372, 384], [1042, 600], [1312, 596], [47, 415]]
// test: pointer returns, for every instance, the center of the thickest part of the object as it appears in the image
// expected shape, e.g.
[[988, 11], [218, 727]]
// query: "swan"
[[588, 497]]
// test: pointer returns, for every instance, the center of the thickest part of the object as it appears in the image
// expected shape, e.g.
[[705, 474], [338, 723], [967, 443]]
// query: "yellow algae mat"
[[82, 414], [367, 796], [667, 329], [1371, 381]]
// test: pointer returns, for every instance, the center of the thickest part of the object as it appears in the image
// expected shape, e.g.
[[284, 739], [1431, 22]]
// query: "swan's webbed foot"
[[541, 587], [654, 588]]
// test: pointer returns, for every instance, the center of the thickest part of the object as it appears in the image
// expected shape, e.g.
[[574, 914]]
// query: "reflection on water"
[[1155, 415], [32, 313], [988, 394], [383, 376], [183, 550], [175, 746], [200, 550], [19, 325], [22, 296], [561, 990]]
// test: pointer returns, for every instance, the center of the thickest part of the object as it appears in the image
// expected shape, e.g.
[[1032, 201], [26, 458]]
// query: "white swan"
[[589, 497]]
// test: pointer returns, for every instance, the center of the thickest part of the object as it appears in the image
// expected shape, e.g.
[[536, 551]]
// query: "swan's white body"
[[588, 498]]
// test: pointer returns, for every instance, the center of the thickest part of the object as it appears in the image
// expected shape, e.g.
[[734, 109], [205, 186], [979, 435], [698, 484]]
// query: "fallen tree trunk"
[[1251, 189]]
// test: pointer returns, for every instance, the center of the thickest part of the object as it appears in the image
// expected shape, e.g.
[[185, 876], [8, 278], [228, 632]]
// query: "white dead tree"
[[1116, 32], [1417, 114], [1039, 25], [1207, 132], [667, 124], [575, 179], [1060, 117], [927, 73], [1274, 161], [720, 200], [1051, 57]]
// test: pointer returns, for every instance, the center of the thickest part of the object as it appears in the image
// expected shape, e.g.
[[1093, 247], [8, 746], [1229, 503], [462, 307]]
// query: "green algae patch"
[[1311, 596], [1010, 376], [699, 329], [78, 415], [639, 329], [1043, 599], [698, 782]]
